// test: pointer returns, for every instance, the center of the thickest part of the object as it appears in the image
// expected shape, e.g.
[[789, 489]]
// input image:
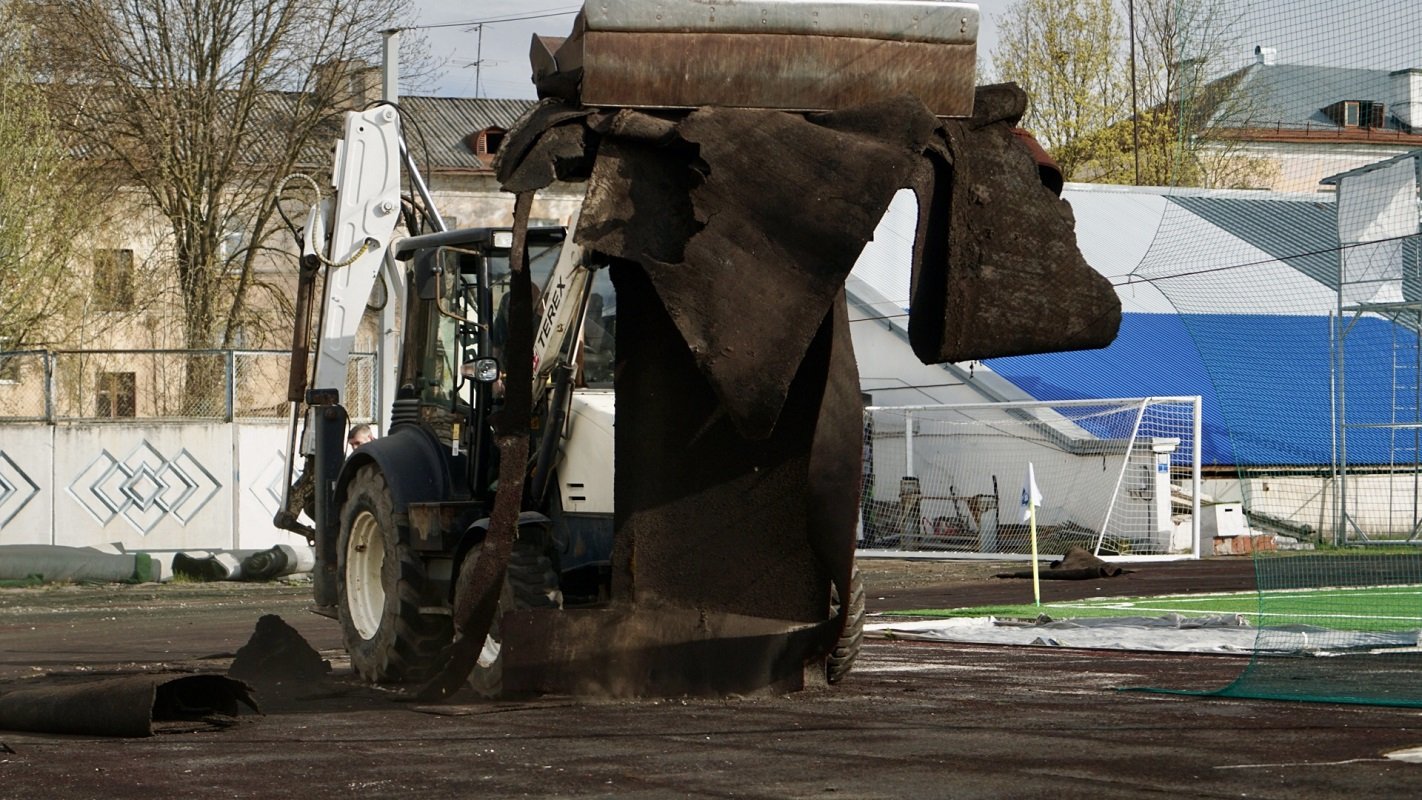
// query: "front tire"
[[382, 586]]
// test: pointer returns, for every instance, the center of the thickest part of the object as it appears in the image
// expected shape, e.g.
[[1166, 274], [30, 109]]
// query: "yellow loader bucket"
[[792, 55]]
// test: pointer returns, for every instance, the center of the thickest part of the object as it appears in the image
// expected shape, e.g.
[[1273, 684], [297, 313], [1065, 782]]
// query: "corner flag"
[[1031, 498], [1031, 495]]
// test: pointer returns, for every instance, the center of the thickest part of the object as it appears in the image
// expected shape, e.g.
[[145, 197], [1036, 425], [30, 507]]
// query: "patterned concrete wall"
[[26, 484], [144, 485]]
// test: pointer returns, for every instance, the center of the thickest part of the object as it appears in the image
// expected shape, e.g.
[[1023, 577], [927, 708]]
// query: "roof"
[[1414, 155], [1264, 379], [1302, 234], [1159, 244], [440, 126], [1294, 95], [1253, 276], [436, 128]]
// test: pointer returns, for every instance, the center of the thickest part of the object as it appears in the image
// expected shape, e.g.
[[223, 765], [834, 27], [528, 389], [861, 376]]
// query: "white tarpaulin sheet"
[[1222, 634]]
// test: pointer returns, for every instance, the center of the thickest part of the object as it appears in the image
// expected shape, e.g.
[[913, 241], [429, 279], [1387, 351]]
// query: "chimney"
[[1265, 55], [348, 84], [1407, 96]]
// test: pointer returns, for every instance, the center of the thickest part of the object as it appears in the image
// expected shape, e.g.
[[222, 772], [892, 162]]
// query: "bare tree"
[[204, 106], [1189, 101], [1065, 54]]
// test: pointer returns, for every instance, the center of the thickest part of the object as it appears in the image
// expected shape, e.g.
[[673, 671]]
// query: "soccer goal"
[[1119, 477]]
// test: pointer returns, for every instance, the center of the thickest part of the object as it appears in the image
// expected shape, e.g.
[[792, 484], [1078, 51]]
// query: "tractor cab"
[[451, 359]]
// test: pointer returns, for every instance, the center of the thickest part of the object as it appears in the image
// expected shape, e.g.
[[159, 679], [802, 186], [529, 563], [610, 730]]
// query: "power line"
[[493, 20], [880, 318], [1134, 279]]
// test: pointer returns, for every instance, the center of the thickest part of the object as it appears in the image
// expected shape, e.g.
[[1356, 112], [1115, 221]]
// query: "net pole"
[[1197, 424], [1416, 415], [1334, 332], [48, 386], [1340, 535], [908, 443]]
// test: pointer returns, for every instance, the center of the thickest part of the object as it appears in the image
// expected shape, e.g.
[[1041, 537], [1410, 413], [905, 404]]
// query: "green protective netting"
[[1333, 627], [1303, 299], [1336, 600]]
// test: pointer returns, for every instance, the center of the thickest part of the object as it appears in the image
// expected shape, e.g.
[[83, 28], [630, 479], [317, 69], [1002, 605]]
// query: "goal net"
[[1118, 477]]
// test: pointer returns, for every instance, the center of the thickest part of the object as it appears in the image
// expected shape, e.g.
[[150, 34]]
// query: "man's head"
[[359, 435]]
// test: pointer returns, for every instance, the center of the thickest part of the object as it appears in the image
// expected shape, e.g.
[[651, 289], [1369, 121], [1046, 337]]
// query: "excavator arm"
[[344, 247]]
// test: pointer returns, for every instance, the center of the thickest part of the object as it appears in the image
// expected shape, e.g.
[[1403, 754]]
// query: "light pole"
[[1135, 110]]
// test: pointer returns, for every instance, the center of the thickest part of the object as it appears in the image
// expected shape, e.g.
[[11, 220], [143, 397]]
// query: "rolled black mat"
[[120, 706]]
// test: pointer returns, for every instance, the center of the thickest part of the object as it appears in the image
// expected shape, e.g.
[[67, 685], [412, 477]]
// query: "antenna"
[[479, 61]]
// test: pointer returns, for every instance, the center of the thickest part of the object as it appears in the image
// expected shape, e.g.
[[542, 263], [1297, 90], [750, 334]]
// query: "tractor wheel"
[[846, 649], [531, 582], [382, 589]]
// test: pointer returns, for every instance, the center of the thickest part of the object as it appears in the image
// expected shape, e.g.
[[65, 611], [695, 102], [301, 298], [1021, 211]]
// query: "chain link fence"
[[24, 376], [74, 385]]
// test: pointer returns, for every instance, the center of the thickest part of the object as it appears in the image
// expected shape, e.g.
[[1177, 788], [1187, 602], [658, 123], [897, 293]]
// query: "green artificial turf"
[[1371, 608]]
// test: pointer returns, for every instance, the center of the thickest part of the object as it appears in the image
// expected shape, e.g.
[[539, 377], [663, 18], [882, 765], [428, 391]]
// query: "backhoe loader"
[[737, 158]]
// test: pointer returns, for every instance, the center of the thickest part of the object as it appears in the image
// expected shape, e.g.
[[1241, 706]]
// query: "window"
[[117, 395], [1371, 114], [486, 142], [1357, 113], [113, 280], [229, 247]]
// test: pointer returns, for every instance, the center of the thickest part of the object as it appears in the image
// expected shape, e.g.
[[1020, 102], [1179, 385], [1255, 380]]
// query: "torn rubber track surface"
[[126, 706]]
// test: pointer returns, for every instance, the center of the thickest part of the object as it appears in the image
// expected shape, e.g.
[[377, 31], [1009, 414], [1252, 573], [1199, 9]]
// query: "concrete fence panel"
[[143, 485], [26, 481]]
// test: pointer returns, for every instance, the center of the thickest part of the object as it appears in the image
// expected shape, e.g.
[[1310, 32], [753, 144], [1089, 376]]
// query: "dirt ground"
[[912, 720]]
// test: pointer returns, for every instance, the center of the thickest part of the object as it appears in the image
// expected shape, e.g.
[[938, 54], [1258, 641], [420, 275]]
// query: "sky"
[[1375, 34]]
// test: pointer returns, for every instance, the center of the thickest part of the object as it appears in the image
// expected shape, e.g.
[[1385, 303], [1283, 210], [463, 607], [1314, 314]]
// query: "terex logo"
[[548, 321]]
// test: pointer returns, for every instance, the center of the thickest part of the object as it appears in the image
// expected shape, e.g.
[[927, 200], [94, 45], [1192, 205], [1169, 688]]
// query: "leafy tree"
[[40, 207], [1072, 57], [1066, 55]]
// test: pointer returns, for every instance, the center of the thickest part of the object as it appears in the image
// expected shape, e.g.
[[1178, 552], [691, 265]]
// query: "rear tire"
[[846, 649], [531, 582], [381, 587]]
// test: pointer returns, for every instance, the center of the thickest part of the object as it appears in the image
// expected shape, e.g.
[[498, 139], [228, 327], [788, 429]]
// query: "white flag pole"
[[1031, 498], [1036, 567]]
